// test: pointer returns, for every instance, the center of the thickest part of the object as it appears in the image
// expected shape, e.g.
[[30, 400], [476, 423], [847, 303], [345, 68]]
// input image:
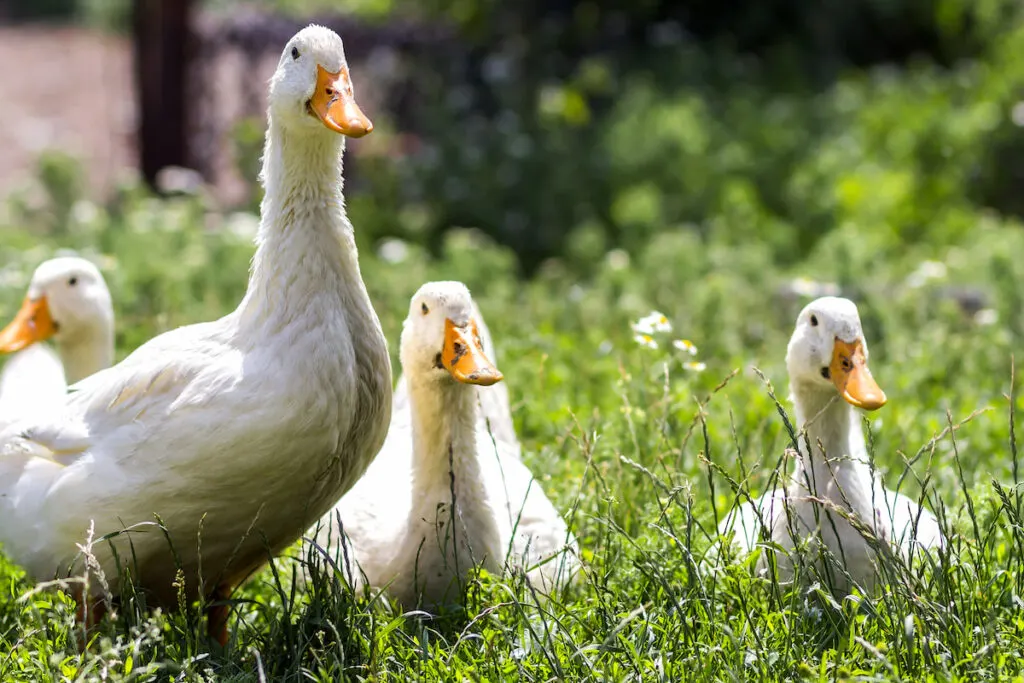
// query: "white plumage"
[[832, 490], [407, 530]]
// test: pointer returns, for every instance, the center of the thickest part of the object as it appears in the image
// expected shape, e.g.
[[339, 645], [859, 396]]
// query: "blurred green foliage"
[[561, 128], [721, 144]]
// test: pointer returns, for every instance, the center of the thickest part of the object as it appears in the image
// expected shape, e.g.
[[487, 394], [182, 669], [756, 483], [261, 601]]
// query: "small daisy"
[[986, 316], [618, 259], [393, 250], [686, 346], [927, 271], [1017, 114], [646, 341], [652, 323], [695, 366], [803, 286]]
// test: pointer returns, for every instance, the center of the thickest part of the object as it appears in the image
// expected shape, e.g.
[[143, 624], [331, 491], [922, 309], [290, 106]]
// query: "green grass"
[[641, 455]]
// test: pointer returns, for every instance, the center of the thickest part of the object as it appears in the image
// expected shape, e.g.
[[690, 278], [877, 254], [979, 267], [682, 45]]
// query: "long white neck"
[[306, 257], [446, 464], [306, 294], [837, 453], [91, 350]]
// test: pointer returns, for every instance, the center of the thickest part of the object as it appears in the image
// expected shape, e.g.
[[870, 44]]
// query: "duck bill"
[[850, 373], [32, 324], [335, 106], [463, 355]]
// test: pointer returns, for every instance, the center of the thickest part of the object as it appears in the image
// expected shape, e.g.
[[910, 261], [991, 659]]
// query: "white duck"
[[829, 380], [238, 433], [495, 408], [67, 301], [446, 492]]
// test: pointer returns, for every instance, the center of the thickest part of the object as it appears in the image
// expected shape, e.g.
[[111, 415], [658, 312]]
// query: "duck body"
[[833, 489], [31, 383], [236, 433], [67, 302], [446, 493]]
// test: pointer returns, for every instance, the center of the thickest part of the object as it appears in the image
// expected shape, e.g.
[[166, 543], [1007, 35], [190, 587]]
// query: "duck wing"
[[911, 526], [535, 535], [360, 534], [170, 373], [747, 523]]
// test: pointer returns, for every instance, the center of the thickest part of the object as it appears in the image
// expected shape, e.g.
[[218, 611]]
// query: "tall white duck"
[[237, 433], [833, 483], [68, 302], [447, 492]]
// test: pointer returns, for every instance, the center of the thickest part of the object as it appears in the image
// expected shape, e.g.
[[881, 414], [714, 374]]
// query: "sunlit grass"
[[642, 453]]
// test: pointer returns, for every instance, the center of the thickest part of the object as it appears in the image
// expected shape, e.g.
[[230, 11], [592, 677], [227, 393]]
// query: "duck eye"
[[72, 281], [424, 308], [437, 362], [814, 320], [826, 373], [295, 53]]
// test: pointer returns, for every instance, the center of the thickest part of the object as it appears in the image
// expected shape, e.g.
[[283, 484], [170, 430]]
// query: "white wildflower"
[[803, 286], [646, 341], [618, 259], [179, 180], [695, 366], [242, 224], [928, 270], [986, 316], [653, 323], [393, 250], [84, 212], [686, 346], [1017, 114]]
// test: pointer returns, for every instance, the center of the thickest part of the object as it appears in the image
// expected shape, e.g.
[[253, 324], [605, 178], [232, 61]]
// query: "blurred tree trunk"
[[162, 43]]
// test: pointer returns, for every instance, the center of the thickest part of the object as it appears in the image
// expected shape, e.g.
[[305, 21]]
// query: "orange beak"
[[335, 105], [32, 324], [850, 373], [463, 355]]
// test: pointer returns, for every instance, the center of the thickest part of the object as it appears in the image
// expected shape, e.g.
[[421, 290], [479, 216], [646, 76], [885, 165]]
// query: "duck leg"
[[217, 614]]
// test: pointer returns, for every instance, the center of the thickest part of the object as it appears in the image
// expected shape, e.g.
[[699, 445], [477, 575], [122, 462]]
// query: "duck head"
[[828, 351], [441, 339], [67, 300], [312, 86]]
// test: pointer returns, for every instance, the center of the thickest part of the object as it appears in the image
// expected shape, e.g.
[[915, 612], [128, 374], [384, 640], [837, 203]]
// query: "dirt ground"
[[68, 89]]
